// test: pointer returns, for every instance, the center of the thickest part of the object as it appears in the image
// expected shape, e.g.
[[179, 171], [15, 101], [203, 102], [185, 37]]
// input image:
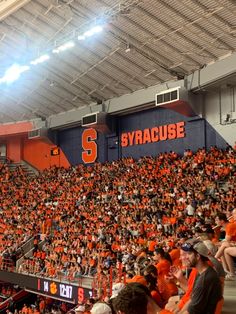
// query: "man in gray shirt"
[[207, 290]]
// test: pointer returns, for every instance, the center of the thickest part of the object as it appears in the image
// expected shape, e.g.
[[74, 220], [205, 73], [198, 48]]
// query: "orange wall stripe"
[[38, 153], [14, 148], [15, 128]]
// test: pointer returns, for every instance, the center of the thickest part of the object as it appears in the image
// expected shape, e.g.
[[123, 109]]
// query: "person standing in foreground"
[[207, 290]]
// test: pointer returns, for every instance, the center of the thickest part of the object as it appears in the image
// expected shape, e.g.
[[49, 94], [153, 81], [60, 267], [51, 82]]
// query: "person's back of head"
[[133, 299], [222, 217], [150, 275]]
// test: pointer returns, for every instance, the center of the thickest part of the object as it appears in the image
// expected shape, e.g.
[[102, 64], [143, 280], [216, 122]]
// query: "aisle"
[[230, 298]]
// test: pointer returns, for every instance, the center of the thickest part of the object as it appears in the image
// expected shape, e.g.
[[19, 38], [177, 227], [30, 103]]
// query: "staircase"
[[27, 168], [17, 298]]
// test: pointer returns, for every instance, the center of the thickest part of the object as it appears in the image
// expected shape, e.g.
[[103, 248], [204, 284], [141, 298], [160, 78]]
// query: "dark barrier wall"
[[52, 288], [198, 133], [70, 141]]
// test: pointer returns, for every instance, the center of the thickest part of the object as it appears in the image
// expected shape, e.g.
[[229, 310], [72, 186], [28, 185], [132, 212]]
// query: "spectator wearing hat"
[[101, 308], [207, 289], [80, 309], [176, 303], [116, 288]]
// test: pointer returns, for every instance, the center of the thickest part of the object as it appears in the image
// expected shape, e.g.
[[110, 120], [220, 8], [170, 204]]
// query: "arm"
[[184, 309], [177, 273]]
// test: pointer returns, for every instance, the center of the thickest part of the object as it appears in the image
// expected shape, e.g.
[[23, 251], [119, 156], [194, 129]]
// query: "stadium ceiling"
[[144, 43]]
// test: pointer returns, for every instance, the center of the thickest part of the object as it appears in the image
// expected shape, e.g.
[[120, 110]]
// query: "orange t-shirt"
[[188, 293], [175, 257], [231, 230], [139, 279], [166, 288], [152, 245], [163, 268]]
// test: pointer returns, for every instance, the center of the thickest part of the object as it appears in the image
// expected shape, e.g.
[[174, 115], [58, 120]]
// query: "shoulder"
[[210, 276]]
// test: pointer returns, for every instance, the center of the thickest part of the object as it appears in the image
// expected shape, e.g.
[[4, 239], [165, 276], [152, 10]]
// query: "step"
[[230, 298], [30, 170]]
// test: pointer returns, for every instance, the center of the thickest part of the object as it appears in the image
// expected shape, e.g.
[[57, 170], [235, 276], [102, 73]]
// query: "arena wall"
[[133, 136]]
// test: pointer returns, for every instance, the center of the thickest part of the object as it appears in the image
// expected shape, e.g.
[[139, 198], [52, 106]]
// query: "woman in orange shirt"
[[167, 288]]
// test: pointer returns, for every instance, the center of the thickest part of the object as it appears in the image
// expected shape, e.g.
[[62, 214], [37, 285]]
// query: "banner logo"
[[153, 135]]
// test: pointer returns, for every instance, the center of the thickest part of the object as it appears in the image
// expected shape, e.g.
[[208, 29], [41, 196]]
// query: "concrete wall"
[[217, 103]]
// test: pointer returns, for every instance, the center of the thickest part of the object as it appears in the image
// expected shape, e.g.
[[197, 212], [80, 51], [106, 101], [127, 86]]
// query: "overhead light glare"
[[81, 37], [39, 60], [91, 32], [13, 73], [64, 47]]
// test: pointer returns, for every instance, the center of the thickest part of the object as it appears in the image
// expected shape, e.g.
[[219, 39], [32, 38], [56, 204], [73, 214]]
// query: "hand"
[[176, 272]]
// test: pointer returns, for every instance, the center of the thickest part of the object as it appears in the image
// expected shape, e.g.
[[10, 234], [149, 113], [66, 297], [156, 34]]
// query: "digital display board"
[[67, 292]]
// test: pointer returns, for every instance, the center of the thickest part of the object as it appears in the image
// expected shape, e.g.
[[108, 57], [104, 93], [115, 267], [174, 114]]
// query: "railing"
[[101, 284], [14, 298], [28, 253], [28, 245], [7, 264]]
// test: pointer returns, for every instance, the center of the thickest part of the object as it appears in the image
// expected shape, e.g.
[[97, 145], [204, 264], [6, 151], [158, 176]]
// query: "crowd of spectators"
[[7, 291], [39, 305], [94, 216], [128, 215]]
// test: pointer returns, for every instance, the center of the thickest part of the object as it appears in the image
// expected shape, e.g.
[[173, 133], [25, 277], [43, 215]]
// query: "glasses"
[[187, 247]]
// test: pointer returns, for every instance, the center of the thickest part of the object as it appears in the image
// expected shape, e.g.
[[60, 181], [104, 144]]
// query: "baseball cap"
[[116, 289], [101, 308], [212, 248], [188, 245], [80, 308], [201, 249], [193, 245]]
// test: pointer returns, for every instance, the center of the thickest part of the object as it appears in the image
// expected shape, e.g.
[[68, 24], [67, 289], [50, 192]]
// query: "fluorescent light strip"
[[91, 32], [64, 47], [13, 73], [41, 59]]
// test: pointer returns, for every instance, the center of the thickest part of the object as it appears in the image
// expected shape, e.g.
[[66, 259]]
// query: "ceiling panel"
[[144, 42]]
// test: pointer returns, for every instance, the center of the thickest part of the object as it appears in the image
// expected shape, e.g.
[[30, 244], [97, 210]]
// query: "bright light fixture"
[[13, 73], [41, 59], [81, 37], [64, 47], [91, 32]]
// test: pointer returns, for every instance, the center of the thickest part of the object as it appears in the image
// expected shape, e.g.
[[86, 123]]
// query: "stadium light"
[[13, 73], [64, 47], [91, 32], [41, 59], [81, 37]]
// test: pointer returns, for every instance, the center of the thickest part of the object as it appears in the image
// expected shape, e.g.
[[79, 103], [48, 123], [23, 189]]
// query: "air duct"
[[100, 121], [7, 7]]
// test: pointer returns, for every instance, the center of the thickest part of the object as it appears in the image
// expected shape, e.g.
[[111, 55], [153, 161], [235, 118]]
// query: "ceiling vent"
[[171, 95], [100, 121], [38, 133]]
